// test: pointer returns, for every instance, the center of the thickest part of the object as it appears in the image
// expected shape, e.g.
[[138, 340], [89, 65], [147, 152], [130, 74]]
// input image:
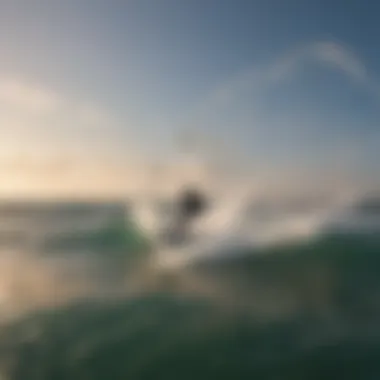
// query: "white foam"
[[228, 226]]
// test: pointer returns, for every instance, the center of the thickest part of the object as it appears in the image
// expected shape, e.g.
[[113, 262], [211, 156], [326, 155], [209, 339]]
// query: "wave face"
[[303, 312], [250, 303]]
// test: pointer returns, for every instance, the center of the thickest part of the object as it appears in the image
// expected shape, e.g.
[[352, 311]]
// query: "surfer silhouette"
[[190, 204]]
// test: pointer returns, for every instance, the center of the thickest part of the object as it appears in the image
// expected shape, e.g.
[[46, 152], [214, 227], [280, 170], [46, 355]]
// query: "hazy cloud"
[[50, 141], [255, 79], [37, 118], [341, 57], [30, 97]]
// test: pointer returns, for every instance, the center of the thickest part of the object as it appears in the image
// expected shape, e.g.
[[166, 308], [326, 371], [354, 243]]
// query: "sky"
[[94, 92]]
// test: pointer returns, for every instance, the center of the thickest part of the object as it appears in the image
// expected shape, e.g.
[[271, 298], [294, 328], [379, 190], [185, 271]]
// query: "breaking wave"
[[267, 289]]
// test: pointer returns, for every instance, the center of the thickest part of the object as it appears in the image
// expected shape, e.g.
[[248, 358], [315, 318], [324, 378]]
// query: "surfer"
[[190, 204]]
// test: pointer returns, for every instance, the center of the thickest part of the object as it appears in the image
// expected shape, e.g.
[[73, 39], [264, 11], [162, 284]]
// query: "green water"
[[333, 333]]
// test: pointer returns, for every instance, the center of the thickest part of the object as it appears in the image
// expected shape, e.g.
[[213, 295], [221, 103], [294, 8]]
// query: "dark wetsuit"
[[190, 205]]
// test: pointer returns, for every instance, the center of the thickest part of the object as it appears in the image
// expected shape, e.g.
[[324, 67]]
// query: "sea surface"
[[265, 290]]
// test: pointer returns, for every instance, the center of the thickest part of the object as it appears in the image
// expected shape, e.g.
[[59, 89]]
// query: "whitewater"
[[241, 222]]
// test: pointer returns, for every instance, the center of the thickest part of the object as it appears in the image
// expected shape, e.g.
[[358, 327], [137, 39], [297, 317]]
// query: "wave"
[[99, 248], [300, 311], [236, 217], [238, 223]]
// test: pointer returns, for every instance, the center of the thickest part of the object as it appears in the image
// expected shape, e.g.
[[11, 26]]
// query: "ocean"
[[265, 290]]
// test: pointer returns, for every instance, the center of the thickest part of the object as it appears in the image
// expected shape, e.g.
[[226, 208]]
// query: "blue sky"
[[293, 86]]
